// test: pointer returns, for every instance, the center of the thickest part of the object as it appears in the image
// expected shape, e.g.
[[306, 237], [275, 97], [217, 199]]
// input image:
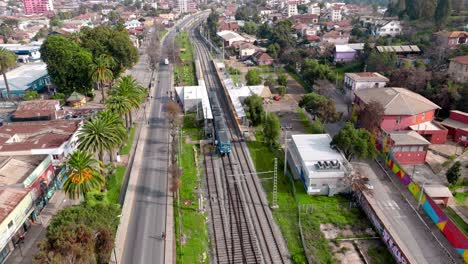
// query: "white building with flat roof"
[[195, 99], [320, 167]]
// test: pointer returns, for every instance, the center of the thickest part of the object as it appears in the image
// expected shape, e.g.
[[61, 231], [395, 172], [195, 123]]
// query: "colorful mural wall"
[[458, 240]]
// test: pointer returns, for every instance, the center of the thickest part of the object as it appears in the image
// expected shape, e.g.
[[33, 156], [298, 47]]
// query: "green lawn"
[[191, 127], [380, 255], [114, 184], [186, 53], [126, 149], [185, 75], [333, 210], [193, 224], [457, 220]]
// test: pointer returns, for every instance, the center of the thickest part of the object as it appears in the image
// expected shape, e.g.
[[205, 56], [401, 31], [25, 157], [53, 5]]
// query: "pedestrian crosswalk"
[[388, 205]]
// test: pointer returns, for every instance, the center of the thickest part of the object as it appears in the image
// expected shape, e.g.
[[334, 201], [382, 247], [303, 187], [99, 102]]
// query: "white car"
[[166, 61], [369, 186]]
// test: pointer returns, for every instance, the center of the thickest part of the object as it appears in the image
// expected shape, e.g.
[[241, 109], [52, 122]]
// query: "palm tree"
[[7, 61], [82, 175], [120, 105], [105, 132], [101, 73], [131, 89]]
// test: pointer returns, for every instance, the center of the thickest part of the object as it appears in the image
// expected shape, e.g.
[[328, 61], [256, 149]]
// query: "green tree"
[[281, 34], [105, 40], [313, 70], [270, 82], [101, 73], [12, 22], [282, 79], [212, 24], [453, 173], [442, 13], [254, 107], [114, 17], [355, 143], [5, 31], [272, 130], [30, 95], [129, 88], [253, 77], [68, 64], [317, 127], [371, 116], [282, 91], [320, 107], [250, 28], [55, 22], [81, 170], [247, 13], [105, 132], [273, 50], [120, 105], [7, 61], [381, 62]]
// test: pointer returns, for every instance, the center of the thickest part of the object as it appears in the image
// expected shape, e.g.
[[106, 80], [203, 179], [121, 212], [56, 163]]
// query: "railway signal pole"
[[275, 186]]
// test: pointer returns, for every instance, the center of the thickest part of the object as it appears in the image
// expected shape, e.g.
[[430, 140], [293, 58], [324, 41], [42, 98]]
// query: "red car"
[[276, 98]]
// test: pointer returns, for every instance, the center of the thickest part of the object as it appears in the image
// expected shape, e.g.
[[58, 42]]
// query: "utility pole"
[[275, 186], [285, 150]]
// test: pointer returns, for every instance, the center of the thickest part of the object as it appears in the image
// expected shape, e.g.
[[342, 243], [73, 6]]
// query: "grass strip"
[[114, 184], [126, 149]]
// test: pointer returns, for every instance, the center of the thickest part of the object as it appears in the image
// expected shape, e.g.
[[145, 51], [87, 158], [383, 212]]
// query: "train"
[[222, 141]]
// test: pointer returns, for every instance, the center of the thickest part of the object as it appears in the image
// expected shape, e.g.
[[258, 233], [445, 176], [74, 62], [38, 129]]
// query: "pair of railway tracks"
[[242, 226]]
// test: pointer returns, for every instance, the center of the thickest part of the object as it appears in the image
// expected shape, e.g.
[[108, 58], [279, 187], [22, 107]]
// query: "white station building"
[[320, 167]]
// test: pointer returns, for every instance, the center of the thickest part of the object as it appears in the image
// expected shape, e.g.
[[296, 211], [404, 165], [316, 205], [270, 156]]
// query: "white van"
[[166, 61]]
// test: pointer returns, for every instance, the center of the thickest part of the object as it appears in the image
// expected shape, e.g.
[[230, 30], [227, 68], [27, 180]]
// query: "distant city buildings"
[[37, 6]]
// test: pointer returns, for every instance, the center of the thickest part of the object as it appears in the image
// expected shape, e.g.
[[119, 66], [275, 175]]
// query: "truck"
[[166, 61]]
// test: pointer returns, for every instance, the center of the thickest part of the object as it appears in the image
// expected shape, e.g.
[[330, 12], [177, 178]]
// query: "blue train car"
[[222, 141]]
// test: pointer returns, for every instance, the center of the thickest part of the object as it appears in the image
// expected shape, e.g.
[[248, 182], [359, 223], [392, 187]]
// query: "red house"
[[457, 125], [405, 110], [231, 26], [408, 147], [262, 58]]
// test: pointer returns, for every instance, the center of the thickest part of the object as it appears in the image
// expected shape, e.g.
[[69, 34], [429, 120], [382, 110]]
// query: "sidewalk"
[[37, 232]]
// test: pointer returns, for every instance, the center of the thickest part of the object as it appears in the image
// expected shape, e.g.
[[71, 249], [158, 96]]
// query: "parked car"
[[276, 97]]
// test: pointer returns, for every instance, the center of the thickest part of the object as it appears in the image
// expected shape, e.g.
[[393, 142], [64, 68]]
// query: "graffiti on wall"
[[384, 234], [453, 234]]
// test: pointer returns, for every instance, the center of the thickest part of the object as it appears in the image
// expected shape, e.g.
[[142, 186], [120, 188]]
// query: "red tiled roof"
[[9, 199], [456, 34], [313, 38], [36, 135], [461, 59]]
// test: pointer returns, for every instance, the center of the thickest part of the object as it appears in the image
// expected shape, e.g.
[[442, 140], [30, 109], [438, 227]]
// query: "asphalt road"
[[147, 222], [415, 239]]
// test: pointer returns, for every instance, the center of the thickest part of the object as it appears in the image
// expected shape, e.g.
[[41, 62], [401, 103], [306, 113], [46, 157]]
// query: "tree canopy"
[[250, 28], [253, 77], [272, 129], [354, 142], [105, 40], [442, 13], [68, 64], [371, 116], [321, 107], [80, 234], [453, 173], [254, 107]]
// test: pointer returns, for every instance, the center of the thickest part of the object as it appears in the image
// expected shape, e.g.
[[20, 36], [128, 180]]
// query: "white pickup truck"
[[166, 61]]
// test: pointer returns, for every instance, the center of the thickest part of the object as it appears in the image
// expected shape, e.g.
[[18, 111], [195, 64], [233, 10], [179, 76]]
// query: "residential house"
[[386, 27], [229, 37], [265, 11], [335, 37], [246, 50], [451, 38], [458, 69], [347, 52], [38, 110], [305, 18], [404, 110], [291, 10], [364, 80], [339, 25], [408, 147], [229, 26], [457, 125], [320, 167], [16, 207], [56, 137], [334, 14], [262, 58], [313, 8], [76, 100], [133, 24]]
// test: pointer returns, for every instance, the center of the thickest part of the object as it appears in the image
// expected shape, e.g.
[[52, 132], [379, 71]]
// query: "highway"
[[147, 215]]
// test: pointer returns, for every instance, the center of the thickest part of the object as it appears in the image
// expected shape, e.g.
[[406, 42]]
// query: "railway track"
[[243, 207]]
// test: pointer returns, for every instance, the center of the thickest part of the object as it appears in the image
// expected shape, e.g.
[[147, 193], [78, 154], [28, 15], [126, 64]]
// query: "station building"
[[320, 167]]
